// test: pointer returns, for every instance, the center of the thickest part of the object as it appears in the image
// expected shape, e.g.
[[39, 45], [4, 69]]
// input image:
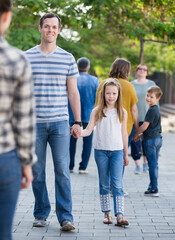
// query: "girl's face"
[[111, 95]]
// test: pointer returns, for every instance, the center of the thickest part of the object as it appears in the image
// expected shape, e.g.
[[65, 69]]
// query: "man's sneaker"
[[145, 167], [83, 172], [71, 171], [67, 226], [137, 170], [40, 222], [151, 193]]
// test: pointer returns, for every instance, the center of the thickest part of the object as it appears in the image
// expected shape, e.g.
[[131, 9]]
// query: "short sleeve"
[[73, 69], [150, 115]]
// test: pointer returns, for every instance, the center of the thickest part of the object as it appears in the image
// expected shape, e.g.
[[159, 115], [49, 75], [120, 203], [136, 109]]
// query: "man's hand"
[[76, 130], [27, 177]]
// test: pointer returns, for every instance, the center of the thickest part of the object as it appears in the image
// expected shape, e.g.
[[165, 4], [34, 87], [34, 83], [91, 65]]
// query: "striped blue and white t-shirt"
[[50, 74]]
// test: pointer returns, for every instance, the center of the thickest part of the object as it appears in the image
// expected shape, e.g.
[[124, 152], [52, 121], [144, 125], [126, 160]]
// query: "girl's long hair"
[[102, 103]]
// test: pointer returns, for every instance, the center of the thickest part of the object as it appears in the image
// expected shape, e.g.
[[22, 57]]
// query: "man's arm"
[[74, 99]]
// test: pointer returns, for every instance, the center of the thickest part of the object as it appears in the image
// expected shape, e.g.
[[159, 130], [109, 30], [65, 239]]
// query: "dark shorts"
[[137, 148]]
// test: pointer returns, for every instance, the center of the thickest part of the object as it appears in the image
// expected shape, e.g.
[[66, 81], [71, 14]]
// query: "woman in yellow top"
[[120, 69]]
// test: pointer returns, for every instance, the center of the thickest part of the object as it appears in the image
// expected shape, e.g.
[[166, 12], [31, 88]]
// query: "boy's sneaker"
[[40, 222], [66, 225], [137, 170], [151, 193], [145, 167]]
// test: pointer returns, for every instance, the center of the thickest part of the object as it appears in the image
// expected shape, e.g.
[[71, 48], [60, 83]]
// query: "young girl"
[[111, 148]]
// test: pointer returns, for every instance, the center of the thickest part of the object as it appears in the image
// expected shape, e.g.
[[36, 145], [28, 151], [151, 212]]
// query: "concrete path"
[[149, 218]]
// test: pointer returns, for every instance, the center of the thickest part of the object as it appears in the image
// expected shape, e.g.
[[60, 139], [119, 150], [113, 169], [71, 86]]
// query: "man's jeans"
[[110, 169], [86, 152], [10, 183], [57, 134], [152, 148]]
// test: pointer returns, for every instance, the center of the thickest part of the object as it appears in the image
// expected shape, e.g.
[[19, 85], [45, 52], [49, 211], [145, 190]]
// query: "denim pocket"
[[9, 167], [62, 128]]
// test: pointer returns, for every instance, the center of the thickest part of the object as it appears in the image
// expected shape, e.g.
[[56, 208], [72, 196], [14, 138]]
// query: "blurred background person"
[[141, 84], [87, 86]]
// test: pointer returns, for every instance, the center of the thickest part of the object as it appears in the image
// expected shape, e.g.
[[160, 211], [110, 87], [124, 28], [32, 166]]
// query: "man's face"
[[50, 30]]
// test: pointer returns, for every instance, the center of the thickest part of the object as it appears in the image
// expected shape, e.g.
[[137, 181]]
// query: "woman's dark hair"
[[120, 69], [49, 15], [5, 6]]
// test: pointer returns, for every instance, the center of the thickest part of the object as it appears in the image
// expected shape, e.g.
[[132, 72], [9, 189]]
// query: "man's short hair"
[[49, 15], [156, 90], [83, 64]]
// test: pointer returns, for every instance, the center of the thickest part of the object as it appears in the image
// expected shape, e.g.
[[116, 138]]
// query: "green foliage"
[[105, 29]]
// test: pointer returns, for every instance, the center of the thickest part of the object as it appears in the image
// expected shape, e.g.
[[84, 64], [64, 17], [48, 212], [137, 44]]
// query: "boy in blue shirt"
[[152, 139]]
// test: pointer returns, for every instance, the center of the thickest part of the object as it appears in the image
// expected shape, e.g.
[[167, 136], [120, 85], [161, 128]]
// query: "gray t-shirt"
[[141, 90]]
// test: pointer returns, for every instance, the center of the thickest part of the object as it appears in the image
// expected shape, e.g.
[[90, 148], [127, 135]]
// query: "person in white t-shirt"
[[111, 148]]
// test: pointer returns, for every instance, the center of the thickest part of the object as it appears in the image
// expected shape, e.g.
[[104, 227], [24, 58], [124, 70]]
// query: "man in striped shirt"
[[55, 80]]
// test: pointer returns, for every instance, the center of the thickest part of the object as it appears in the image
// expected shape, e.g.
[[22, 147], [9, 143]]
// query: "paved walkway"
[[149, 218]]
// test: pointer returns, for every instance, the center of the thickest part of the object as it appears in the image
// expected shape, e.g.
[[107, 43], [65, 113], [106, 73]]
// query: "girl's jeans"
[[152, 148], [110, 169], [10, 183]]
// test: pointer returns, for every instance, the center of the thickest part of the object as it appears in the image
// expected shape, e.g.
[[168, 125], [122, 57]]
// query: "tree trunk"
[[141, 50]]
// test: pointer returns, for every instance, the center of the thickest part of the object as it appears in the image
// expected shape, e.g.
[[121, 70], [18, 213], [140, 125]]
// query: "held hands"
[[75, 131], [136, 137]]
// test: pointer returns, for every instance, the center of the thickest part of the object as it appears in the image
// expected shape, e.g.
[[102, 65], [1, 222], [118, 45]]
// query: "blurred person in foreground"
[[17, 125]]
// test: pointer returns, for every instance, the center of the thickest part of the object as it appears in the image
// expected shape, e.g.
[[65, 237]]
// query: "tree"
[[100, 29], [147, 20]]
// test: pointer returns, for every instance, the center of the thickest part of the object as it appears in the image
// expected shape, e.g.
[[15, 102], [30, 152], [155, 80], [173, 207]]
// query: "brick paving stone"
[[124, 238], [149, 218], [60, 238]]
